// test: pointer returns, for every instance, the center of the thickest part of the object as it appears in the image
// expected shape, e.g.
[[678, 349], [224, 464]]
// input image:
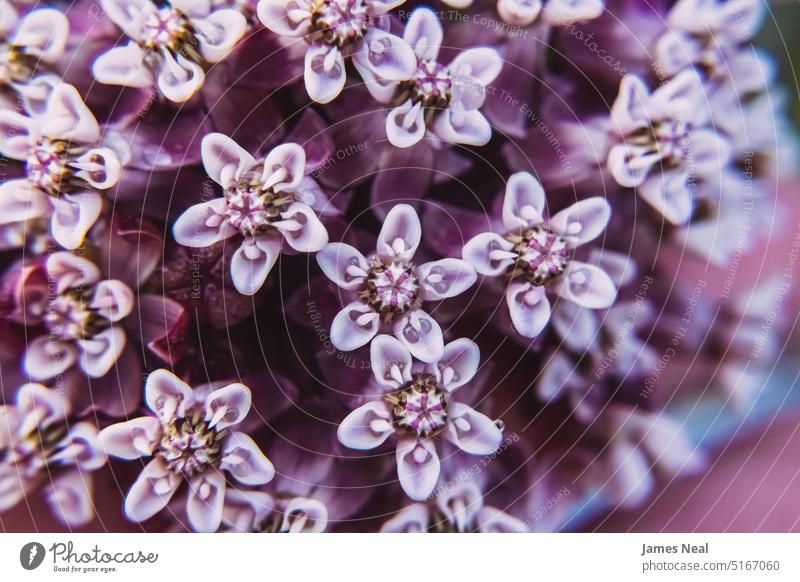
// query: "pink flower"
[[190, 438], [41, 445], [420, 409], [267, 203], [335, 29], [535, 255], [170, 44], [65, 167], [389, 290]]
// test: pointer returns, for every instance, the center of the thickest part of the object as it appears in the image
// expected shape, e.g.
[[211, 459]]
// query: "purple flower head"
[[81, 314], [268, 203], [445, 99], [170, 45], [66, 165], [389, 290], [664, 141], [536, 255], [419, 407], [336, 29], [39, 444], [190, 438]]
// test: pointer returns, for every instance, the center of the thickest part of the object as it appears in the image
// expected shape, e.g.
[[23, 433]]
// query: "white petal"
[[629, 110], [43, 33], [519, 12], [224, 159], [129, 15], [302, 229], [344, 265], [483, 64], [123, 65], [303, 515], [670, 194], [458, 364], [68, 118], [471, 431], [18, 134], [132, 439], [524, 202], [70, 498], [421, 334], [20, 201], [424, 33], [490, 254], [167, 395], [38, 407], [112, 299], [411, 519], [630, 165], [101, 167], [583, 221], [390, 361], [203, 225], [70, 271], [285, 17], [206, 499], [445, 278], [405, 124], [151, 492], [586, 285], [243, 459], [45, 358], [529, 308], [228, 406], [179, 78], [576, 326], [284, 167], [73, 216], [324, 73], [101, 351], [367, 427], [418, 467], [400, 234], [385, 56], [219, 32], [354, 326], [456, 125], [252, 262]]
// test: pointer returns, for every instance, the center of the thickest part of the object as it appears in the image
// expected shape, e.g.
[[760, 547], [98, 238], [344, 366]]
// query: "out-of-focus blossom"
[[40, 443], [554, 12], [419, 407], [535, 255], [66, 165], [389, 289], [336, 29], [171, 45], [445, 99], [190, 438], [258, 511], [267, 203]]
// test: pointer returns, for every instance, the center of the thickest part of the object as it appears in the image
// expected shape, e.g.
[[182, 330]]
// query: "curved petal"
[[112, 299], [69, 271], [101, 351], [586, 285], [285, 17], [80, 448], [424, 33], [151, 492], [529, 308], [456, 125], [400, 234], [445, 278], [39, 407], [228, 406], [203, 225], [132, 439], [583, 221], [670, 194], [252, 262], [629, 109], [385, 56], [129, 15], [519, 12], [471, 431], [577, 326], [224, 159], [245, 510], [123, 65], [343, 264], [390, 361], [205, 501], [219, 32], [524, 202], [302, 229], [68, 118], [303, 515], [418, 467], [284, 168], [70, 498], [367, 427], [43, 33], [20, 201], [179, 78], [421, 334], [412, 519], [45, 358], [631, 164], [354, 326], [458, 364], [167, 395], [73, 216], [18, 134], [324, 73], [243, 459], [100, 167], [482, 64], [405, 124], [490, 254]]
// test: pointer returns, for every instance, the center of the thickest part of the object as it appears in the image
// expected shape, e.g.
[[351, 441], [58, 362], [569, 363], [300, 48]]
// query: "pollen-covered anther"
[[252, 207], [420, 407], [541, 255], [189, 446], [391, 288], [339, 22]]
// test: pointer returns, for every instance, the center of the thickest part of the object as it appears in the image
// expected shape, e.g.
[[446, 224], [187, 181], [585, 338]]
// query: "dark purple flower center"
[[391, 288], [188, 446], [542, 255], [339, 22], [251, 208], [70, 318], [420, 408]]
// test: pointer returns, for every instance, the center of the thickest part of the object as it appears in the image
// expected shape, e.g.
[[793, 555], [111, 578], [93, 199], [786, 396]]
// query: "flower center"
[[167, 28], [391, 289], [69, 317], [33, 452], [49, 166], [251, 208], [419, 408], [188, 446], [669, 139], [543, 255], [431, 85], [16, 65], [339, 22]]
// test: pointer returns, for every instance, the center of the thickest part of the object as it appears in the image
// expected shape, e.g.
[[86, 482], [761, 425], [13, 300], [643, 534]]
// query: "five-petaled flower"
[[190, 438], [664, 142], [267, 203], [335, 29], [534, 256], [443, 98], [419, 407], [389, 289], [80, 313], [172, 44], [65, 168], [40, 444]]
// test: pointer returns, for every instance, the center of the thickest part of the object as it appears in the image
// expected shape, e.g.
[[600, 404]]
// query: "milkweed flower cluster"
[[345, 265]]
